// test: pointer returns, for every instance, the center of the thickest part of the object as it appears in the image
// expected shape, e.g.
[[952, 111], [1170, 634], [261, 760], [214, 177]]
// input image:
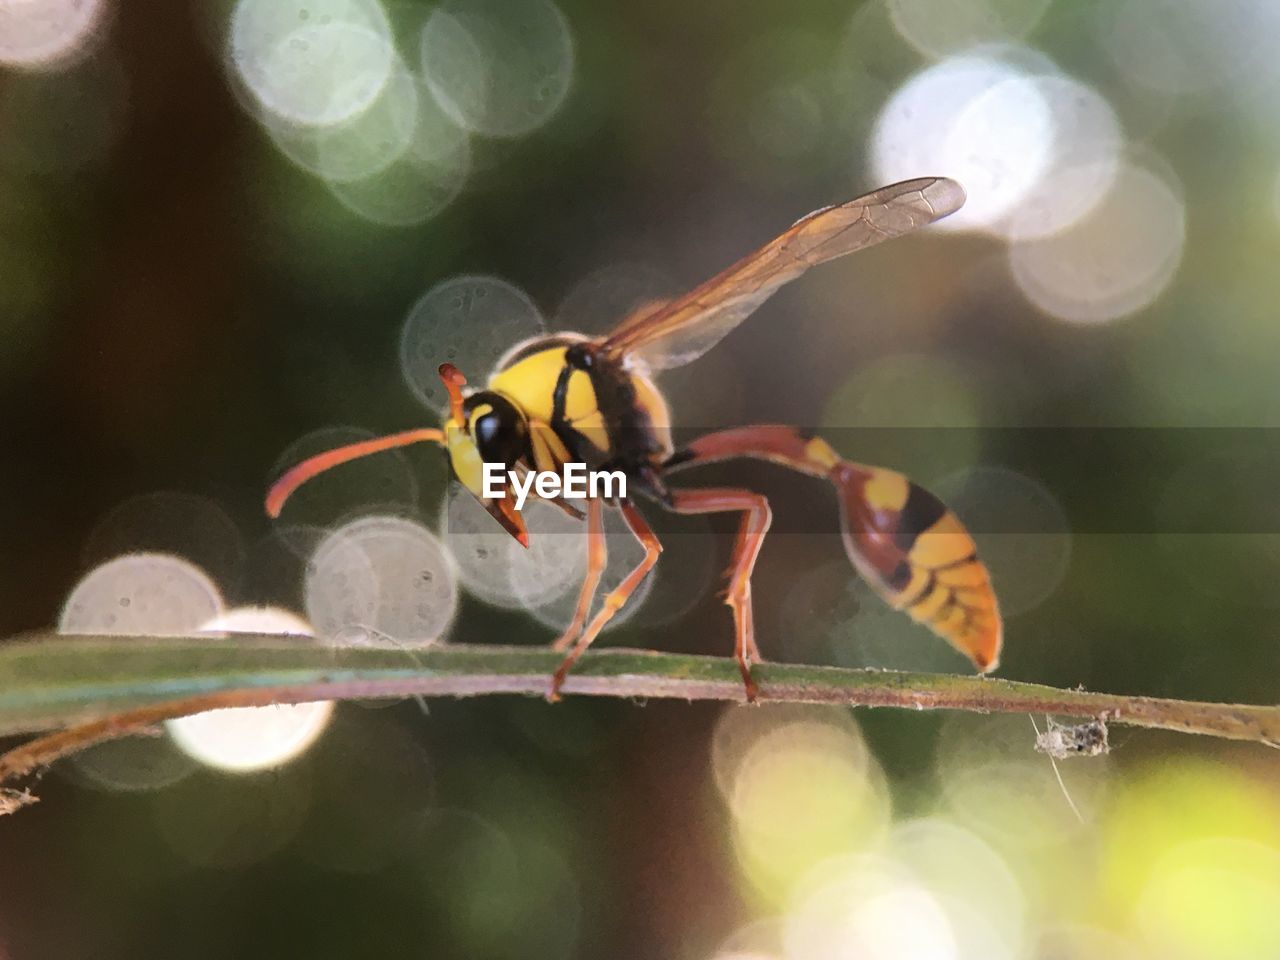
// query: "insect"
[[566, 398]]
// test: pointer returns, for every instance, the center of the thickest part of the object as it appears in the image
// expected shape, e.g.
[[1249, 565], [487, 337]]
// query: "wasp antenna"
[[454, 381], [296, 476]]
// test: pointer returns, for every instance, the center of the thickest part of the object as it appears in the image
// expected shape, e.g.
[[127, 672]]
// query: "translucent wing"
[[682, 330]]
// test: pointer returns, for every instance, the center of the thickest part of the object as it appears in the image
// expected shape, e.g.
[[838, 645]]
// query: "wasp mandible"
[[567, 398]]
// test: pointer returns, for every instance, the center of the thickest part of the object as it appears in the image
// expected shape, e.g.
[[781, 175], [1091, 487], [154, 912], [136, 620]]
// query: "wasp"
[[566, 398]]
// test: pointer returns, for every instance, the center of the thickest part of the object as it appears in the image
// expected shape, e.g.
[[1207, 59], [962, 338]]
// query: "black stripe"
[[921, 511], [971, 558], [923, 592], [683, 455], [573, 439], [946, 608], [560, 398]]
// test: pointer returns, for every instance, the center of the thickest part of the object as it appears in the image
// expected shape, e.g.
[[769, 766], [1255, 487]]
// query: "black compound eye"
[[486, 429], [497, 428]]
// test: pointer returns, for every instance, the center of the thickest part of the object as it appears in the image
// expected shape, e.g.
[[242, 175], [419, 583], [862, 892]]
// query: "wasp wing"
[[681, 331]]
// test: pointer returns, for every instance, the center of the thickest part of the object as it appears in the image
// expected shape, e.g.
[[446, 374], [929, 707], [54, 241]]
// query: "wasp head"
[[485, 427]]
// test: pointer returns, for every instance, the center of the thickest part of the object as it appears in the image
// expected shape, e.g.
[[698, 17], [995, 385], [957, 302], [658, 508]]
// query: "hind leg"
[[756, 517]]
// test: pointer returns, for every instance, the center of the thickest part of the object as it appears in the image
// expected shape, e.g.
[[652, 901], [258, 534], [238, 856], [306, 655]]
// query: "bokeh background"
[[233, 234]]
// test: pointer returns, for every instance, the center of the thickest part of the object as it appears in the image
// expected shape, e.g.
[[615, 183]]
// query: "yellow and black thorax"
[[582, 407]]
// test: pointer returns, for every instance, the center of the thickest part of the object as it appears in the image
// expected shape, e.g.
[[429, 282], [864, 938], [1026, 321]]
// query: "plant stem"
[[101, 688]]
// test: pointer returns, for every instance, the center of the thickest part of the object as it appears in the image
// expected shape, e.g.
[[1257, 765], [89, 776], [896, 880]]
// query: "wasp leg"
[[755, 524], [597, 556], [615, 599]]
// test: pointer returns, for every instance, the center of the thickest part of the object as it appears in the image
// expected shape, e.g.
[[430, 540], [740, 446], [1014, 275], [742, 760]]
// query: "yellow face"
[[465, 459], [492, 430]]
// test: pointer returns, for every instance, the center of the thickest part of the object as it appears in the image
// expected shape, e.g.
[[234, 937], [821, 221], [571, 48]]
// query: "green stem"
[[93, 688]]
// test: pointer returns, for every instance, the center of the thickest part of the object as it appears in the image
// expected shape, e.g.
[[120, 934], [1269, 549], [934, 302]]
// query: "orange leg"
[[597, 556], [755, 524], [615, 599]]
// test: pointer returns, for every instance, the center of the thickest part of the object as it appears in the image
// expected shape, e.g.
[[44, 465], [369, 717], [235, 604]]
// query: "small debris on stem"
[[1063, 741]]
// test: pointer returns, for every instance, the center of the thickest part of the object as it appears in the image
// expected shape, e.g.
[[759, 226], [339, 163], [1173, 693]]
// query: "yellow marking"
[[549, 453], [886, 490], [820, 452], [594, 430], [943, 543], [531, 385], [467, 464]]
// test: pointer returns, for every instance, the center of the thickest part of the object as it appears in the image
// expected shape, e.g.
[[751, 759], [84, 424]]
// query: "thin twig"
[[102, 688]]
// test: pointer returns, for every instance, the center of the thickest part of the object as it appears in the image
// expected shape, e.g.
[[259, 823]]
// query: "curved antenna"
[[454, 381], [296, 476]]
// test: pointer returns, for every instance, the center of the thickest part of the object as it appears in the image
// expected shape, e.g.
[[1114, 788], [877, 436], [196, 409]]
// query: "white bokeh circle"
[[312, 62], [469, 321], [242, 739], [1112, 262], [981, 120], [141, 593], [500, 68], [382, 574], [40, 34]]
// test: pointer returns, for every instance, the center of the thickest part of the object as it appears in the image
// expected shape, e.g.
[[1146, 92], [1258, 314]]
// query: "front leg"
[[615, 599]]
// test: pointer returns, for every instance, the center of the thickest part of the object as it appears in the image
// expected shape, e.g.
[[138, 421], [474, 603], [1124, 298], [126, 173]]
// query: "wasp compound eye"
[[497, 428]]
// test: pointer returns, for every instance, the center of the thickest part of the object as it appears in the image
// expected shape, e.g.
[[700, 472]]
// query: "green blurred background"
[[223, 231]]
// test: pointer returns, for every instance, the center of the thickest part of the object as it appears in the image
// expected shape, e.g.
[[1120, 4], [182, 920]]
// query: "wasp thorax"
[[497, 428]]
